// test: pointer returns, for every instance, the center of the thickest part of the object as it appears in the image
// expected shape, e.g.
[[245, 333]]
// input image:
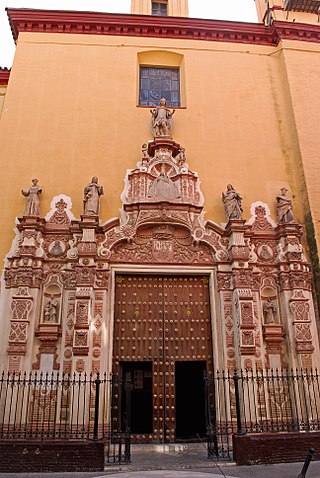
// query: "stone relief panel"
[[60, 211]]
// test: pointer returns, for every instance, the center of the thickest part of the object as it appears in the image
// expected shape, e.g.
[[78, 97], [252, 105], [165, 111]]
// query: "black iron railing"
[[266, 401], [307, 6], [43, 406]]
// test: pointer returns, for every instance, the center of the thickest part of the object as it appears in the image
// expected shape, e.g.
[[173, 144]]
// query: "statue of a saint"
[[50, 313], [33, 202], [232, 203], [92, 193], [162, 119], [163, 187], [269, 311], [284, 208]]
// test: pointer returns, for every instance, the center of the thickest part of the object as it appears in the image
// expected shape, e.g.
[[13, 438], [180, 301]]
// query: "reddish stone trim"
[[276, 7], [297, 31], [274, 447], [51, 456], [49, 21], [54, 21], [4, 76]]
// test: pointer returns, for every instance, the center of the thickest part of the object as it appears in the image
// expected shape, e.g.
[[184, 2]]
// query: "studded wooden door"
[[161, 320]]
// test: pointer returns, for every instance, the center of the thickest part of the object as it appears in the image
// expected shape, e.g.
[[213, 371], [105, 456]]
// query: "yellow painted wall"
[[302, 67], [3, 90], [71, 113]]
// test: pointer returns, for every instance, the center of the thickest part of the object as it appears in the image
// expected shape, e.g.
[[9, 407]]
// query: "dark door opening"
[[137, 414], [190, 400]]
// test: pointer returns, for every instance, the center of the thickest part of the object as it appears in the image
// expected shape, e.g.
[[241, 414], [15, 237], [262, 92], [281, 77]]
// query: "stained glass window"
[[160, 8], [157, 83]]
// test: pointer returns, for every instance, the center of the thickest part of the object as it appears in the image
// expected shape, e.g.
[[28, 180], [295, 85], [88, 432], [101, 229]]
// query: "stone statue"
[[269, 311], [92, 193], [284, 208], [33, 202], [163, 187], [162, 119], [232, 203], [50, 313], [182, 156]]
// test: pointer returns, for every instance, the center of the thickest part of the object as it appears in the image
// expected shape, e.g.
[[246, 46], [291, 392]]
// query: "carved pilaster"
[[300, 309], [21, 307], [82, 321]]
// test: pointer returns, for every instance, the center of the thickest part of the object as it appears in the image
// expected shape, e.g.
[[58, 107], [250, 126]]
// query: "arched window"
[[160, 76]]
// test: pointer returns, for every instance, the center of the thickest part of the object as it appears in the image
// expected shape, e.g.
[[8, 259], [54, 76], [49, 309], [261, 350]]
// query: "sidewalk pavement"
[[180, 461]]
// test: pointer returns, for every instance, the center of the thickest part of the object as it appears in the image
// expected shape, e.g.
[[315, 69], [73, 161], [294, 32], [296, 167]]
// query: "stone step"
[[168, 448]]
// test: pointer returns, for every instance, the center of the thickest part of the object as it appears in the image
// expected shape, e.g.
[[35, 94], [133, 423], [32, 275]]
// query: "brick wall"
[[275, 447], [31, 456]]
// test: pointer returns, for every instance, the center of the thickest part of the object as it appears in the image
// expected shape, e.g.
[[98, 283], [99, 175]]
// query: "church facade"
[[211, 262]]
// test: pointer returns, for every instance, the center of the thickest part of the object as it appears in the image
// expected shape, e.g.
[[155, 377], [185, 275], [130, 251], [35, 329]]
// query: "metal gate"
[[162, 327]]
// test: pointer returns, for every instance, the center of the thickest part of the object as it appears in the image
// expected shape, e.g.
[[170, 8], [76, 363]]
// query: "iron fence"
[[52, 406], [263, 401], [43, 406]]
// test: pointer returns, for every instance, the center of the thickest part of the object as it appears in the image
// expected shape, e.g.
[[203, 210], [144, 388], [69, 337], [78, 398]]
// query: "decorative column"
[[295, 283], [23, 278], [242, 293]]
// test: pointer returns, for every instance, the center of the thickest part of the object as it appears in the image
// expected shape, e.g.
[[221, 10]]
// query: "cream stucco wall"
[[71, 113], [303, 73], [3, 90]]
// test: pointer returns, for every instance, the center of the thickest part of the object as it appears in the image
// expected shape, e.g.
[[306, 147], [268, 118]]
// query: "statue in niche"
[[92, 193], [284, 208], [50, 314], [33, 202], [162, 119], [232, 203], [163, 187], [269, 311]]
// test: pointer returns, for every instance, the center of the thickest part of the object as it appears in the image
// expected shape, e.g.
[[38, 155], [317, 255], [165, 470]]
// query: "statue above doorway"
[[162, 119]]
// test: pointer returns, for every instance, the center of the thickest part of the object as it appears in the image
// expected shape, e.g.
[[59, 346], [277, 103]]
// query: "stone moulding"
[[34, 20], [94, 23], [4, 76]]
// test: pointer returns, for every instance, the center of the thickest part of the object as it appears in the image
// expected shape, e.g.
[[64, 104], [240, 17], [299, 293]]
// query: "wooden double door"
[[163, 345]]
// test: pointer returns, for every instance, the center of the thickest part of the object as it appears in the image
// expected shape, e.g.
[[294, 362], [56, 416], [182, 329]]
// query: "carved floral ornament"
[[162, 222]]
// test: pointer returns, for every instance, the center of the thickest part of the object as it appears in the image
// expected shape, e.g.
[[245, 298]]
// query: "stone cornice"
[[4, 76], [92, 23], [49, 21], [297, 31]]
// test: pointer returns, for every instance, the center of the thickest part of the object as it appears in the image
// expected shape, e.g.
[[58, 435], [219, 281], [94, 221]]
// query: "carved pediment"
[[162, 244], [162, 175]]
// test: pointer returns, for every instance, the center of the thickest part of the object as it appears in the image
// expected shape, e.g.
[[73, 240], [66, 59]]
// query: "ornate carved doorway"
[[163, 340]]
